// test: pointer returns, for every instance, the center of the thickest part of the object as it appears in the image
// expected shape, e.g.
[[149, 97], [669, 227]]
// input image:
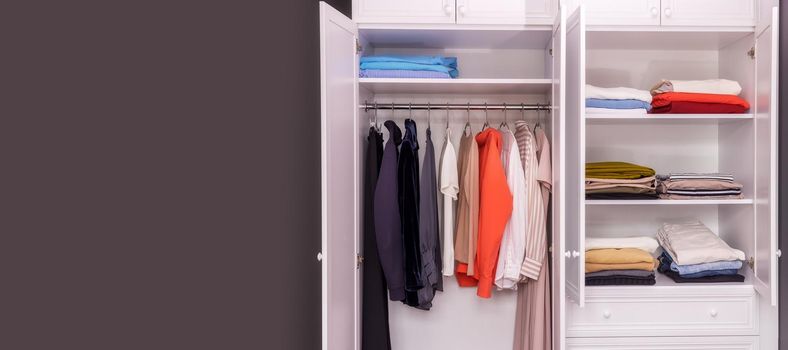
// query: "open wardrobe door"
[[574, 142], [766, 117], [339, 180], [558, 98]]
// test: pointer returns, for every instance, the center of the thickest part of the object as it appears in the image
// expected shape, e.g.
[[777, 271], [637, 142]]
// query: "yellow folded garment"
[[619, 256], [592, 267], [617, 170]]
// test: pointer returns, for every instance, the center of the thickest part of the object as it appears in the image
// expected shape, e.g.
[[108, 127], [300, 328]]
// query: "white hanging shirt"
[[512, 251], [450, 188]]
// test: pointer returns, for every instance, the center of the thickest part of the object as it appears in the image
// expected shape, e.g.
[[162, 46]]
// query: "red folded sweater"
[[685, 102]]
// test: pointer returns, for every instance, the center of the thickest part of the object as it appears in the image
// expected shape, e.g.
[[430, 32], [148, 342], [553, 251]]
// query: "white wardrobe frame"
[[341, 171]]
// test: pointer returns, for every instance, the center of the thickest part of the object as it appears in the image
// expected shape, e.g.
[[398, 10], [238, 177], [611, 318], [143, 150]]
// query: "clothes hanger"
[[447, 115], [486, 124], [377, 125], [467, 129], [505, 122], [429, 116], [522, 110], [538, 116]]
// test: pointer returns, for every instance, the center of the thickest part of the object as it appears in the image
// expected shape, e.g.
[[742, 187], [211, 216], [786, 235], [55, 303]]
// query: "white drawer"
[[664, 343], [688, 311]]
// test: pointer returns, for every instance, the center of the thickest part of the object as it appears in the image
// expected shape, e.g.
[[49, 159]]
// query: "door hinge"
[[751, 263], [359, 261], [359, 48], [550, 51], [751, 53]]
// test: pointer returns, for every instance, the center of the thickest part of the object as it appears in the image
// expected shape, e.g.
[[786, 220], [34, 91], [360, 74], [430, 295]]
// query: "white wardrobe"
[[542, 52]]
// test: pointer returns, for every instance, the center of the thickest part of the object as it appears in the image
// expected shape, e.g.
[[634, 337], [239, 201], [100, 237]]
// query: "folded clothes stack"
[[619, 180], [434, 67], [698, 186], [694, 254], [616, 100], [697, 97], [620, 261]]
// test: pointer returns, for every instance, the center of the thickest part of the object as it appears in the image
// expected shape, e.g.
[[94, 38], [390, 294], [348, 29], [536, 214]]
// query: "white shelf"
[[663, 38], [657, 119], [456, 36], [455, 86], [668, 201]]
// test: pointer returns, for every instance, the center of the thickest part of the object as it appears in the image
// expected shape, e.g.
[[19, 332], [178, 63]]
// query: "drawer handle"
[[713, 313], [606, 314], [668, 12], [654, 11]]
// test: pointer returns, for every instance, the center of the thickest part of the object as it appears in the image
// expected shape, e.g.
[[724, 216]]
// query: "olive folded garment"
[[617, 170]]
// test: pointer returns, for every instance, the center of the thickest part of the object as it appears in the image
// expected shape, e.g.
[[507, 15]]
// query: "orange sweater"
[[495, 208], [665, 99]]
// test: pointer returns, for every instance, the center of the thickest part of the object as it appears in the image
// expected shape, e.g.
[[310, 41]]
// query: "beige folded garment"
[[710, 86], [618, 256], [645, 243], [643, 180], [592, 267], [699, 185]]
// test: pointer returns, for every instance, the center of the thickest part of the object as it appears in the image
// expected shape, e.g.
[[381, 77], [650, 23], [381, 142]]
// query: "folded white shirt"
[[693, 243], [617, 93], [595, 110], [643, 243]]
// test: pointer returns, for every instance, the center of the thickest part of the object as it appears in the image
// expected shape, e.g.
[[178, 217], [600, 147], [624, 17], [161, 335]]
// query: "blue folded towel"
[[379, 73], [617, 104], [430, 60], [446, 65], [691, 271]]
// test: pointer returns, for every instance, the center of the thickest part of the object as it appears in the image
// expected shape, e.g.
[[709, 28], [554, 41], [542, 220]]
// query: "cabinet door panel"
[[622, 12], [766, 56], [708, 12], [404, 11], [558, 200], [491, 11], [339, 179], [574, 156]]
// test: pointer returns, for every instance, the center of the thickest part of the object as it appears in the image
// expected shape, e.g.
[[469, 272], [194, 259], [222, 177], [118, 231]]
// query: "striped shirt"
[[535, 231]]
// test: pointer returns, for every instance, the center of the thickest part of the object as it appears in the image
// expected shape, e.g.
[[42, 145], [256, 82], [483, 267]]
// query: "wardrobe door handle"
[[606, 314], [319, 256], [462, 10], [713, 313], [447, 9], [779, 253], [654, 11], [575, 254], [668, 12], [568, 254]]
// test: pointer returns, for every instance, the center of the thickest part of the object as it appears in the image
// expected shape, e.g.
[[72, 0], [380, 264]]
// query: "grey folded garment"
[[699, 184], [679, 196], [695, 176], [622, 273]]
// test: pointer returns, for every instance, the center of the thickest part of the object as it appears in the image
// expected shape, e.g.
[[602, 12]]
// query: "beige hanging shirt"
[[536, 230], [467, 206]]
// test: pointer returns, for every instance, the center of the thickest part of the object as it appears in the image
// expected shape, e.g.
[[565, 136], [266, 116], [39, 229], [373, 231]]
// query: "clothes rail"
[[456, 106]]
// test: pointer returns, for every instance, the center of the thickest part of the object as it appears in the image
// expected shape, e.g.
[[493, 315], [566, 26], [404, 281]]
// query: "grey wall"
[[160, 170]]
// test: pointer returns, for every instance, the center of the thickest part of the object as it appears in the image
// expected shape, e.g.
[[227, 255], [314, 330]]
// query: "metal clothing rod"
[[457, 106]]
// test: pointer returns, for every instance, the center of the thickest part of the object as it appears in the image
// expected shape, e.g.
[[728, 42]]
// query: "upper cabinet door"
[[404, 11], [491, 11], [573, 142], [558, 200], [708, 12], [339, 179], [622, 12], [766, 59]]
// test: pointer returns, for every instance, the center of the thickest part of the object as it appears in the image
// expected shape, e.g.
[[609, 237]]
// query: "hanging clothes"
[[533, 319], [510, 258], [536, 232], [428, 228], [374, 307], [544, 173], [495, 208], [450, 188], [408, 178], [467, 211], [387, 216]]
